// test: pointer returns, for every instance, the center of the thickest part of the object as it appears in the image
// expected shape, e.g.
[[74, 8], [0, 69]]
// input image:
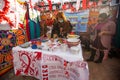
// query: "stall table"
[[50, 65]]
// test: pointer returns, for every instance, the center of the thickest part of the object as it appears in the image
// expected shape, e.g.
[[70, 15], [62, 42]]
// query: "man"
[[101, 43]]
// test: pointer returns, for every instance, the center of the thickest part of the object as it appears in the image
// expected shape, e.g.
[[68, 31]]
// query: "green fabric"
[[32, 29], [37, 28]]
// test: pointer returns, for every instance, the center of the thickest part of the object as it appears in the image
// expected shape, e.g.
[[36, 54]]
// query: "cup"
[[64, 47], [75, 50], [34, 46]]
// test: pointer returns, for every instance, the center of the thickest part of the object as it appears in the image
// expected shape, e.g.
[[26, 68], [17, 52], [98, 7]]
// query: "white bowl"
[[73, 40]]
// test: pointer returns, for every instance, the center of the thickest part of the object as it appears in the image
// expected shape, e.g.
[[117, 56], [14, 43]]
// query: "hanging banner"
[[79, 20]]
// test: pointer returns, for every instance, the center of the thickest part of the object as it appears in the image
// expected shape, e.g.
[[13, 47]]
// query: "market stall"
[[32, 19]]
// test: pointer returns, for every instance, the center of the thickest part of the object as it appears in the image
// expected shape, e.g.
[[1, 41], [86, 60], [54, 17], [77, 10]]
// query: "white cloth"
[[50, 65]]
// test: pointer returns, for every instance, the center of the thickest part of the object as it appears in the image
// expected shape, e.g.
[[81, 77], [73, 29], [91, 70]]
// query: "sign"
[[48, 67], [79, 20]]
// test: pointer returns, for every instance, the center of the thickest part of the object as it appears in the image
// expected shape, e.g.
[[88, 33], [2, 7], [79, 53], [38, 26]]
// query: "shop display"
[[47, 38]]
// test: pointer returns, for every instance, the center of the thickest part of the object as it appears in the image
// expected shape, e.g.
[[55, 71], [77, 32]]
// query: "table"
[[50, 65]]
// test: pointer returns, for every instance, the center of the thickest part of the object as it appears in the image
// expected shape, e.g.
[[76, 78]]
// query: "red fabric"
[[42, 3], [27, 26], [84, 4], [50, 4], [30, 3], [64, 7], [49, 22]]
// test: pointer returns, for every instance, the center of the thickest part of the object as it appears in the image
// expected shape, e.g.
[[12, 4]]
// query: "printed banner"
[[48, 67], [26, 63], [79, 20], [56, 68]]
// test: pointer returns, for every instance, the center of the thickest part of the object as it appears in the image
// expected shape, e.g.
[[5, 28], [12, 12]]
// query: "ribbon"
[[26, 64], [50, 4], [84, 6], [64, 7], [30, 3], [3, 13]]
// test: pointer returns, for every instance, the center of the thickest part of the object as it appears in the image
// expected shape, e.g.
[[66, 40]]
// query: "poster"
[[79, 20], [45, 66]]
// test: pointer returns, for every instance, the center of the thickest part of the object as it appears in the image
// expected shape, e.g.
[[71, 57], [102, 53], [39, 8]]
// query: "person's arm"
[[111, 29], [55, 30], [71, 27]]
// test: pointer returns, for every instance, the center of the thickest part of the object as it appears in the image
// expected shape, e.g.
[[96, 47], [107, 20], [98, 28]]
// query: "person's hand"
[[55, 36]]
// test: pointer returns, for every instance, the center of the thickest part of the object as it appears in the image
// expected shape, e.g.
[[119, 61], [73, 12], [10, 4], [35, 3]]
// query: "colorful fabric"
[[32, 26], [27, 28], [6, 62], [7, 41], [20, 36]]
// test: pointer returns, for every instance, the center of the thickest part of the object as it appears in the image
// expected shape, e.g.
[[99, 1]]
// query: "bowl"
[[73, 36], [73, 42]]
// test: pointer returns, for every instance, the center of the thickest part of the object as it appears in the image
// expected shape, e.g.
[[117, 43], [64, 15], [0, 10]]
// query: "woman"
[[61, 26], [104, 31], [43, 26]]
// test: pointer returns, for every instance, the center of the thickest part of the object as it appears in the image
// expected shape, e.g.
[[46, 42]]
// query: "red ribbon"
[[50, 4], [84, 4], [4, 12], [30, 3], [64, 7], [28, 68]]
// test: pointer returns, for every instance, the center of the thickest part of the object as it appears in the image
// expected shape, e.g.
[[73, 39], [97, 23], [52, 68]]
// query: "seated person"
[[61, 27]]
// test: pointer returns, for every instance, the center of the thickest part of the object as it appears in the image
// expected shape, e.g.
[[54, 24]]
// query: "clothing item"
[[97, 43], [93, 52], [100, 59], [67, 28]]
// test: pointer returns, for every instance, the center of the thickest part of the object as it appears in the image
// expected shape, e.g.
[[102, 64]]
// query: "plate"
[[25, 45]]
